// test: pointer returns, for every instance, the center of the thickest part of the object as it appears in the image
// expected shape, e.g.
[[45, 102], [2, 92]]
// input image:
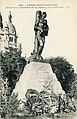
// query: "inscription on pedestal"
[[42, 74]]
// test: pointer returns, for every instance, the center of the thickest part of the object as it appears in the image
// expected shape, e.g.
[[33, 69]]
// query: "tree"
[[12, 66], [64, 72], [12, 104]]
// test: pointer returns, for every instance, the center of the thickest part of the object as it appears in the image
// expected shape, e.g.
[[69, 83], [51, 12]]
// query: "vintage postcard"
[[38, 59]]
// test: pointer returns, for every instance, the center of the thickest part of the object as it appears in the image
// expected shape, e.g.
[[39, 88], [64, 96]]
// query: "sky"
[[62, 21]]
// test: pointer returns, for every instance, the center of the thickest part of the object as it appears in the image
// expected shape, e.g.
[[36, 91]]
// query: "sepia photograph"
[[38, 59]]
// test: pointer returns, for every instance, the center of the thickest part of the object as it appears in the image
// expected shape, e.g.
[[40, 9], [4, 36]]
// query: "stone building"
[[8, 35]]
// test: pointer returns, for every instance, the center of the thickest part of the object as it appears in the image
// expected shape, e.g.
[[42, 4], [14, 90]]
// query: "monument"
[[38, 74], [41, 31]]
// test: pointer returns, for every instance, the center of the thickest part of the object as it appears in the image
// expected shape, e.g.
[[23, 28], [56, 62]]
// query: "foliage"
[[36, 103], [64, 72], [31, 97], [12, 104], [12, 65], [74, 87]]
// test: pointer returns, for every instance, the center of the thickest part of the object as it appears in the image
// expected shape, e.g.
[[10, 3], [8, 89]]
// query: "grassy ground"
[[70, 115], [64, 115]]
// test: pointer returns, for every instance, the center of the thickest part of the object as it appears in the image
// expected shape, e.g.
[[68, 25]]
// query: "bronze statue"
[[41, 30]]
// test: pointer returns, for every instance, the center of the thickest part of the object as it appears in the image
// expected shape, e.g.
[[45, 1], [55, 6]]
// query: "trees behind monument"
[[64, 72]]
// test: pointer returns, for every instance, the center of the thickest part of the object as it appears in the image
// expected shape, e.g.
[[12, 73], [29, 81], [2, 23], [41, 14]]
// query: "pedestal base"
[[38, 76]]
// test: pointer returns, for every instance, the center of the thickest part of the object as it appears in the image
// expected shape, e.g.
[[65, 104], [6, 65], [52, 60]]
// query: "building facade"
[[8, 35]]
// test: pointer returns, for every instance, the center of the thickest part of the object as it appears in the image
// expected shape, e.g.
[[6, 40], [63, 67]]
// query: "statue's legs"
[[36, 43], [41, 45]]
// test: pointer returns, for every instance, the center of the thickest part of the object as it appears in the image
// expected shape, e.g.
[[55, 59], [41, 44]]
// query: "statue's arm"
[[38, 28]]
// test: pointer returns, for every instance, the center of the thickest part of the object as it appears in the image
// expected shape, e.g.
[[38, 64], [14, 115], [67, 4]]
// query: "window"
[[15, 40], [10, 39]]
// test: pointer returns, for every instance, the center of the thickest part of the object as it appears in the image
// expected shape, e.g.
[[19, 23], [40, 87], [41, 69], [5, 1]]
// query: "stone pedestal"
[[38, 76]]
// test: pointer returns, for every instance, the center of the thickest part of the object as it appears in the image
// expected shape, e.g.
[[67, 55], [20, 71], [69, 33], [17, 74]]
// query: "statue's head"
[[44, 15], [38, 14]]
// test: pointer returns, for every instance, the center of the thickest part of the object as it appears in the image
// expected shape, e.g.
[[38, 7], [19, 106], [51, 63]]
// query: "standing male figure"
[[41, 30]]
